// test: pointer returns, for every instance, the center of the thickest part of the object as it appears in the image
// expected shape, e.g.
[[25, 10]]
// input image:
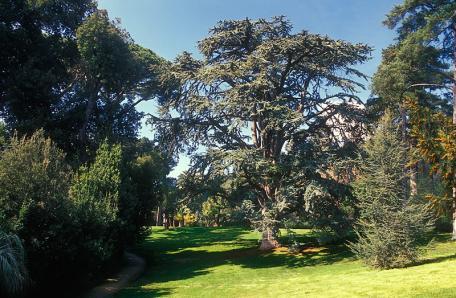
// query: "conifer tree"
[[390, 223], [262, 100]]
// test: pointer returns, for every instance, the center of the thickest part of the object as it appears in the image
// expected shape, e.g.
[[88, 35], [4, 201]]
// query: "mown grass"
[[225, 262]]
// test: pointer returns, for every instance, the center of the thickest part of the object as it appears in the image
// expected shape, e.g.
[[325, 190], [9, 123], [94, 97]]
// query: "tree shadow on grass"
[[182, 238], [192, 263], [180, 256], [176, 255], [428, 244], [310, 256], [144, 293], [435, 260]]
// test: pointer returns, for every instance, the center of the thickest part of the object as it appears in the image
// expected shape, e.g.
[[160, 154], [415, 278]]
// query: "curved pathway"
[[135, 266]]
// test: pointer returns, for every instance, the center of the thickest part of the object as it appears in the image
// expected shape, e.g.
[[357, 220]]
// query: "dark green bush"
[[143, 186], [95, 196], [65, 237], [34, 183]]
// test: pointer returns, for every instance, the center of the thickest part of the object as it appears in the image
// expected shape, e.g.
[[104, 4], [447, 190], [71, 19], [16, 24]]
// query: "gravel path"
[[133, 269]]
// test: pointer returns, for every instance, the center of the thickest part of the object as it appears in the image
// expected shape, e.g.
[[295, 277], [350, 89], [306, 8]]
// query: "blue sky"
[[169, 27]]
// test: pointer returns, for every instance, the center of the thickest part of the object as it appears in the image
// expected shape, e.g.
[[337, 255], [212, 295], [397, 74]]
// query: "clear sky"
[[169, 27]]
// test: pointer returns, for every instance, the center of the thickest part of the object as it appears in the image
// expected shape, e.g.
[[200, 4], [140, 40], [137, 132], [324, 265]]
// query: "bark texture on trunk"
[[269, 222], [454, 122], [269, 240], [158, 217], [453, 237], [407, 171], [413, 183], [165, 221], [82, 134]]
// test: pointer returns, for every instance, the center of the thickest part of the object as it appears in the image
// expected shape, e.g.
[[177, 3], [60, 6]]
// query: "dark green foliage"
[[97, 186], [67, 68], [216, 196], [144, 187], [420, 67], [403, 65], [390, 223], [37, 57], [329, 208], [115, 75], [95, 195], [244, 214], [82, 222], [33, 176], [421, 21], [3, 136]]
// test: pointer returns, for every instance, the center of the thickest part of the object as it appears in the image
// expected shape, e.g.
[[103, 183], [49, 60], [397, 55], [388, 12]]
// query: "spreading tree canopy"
[[266, 103]]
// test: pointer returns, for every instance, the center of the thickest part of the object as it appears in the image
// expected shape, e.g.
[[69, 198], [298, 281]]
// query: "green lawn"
[[224, 262]]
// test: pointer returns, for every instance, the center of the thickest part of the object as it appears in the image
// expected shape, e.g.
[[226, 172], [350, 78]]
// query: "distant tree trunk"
[[413, 180], [158, 217], [269, 239], [453, 237], [454, 122], [181, 223], [413, 183], [408, 185], [269, 235], [165, 221], [82, 134]]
